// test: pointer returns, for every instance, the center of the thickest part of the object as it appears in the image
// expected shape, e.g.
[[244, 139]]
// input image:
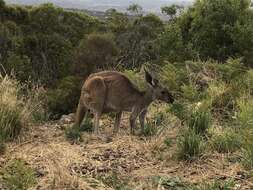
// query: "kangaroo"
[[111, 91]]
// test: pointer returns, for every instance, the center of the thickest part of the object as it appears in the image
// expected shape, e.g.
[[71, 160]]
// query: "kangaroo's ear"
[[155, 82], [148, 77], [150, 80]]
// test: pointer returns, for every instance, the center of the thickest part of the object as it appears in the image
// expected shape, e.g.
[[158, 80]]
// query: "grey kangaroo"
[[111, 91]]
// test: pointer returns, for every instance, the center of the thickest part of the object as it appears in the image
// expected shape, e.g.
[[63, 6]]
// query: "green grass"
[[216, 185], [245, 113], [226, 142], [159, 118], [179, 110], [17, 107], [247, 151], [73, 134], [10, 121], [190, 145], [115, 182], [170, 183], [200, 121], [87, 125], [17, 175], [168, 142], [150, 129]]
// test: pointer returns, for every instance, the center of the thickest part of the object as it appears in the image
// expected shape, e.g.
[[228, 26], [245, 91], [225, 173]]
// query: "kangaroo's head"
[[158, 92]]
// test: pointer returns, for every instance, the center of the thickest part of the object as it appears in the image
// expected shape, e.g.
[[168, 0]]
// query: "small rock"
[[41, 173], [67, 119]]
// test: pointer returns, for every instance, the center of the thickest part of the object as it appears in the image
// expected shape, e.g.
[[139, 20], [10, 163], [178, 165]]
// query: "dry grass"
[[61, 165]]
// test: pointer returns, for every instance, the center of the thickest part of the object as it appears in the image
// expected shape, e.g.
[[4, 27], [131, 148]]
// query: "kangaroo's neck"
[[148, 97]]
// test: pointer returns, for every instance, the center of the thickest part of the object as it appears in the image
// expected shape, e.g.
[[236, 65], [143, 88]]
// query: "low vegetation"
[[190, 145], [17, 175], [226, 141]]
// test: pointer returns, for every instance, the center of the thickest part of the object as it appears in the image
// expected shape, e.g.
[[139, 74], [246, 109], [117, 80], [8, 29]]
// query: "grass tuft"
[[226, 142], [200, 121], [190, 145]]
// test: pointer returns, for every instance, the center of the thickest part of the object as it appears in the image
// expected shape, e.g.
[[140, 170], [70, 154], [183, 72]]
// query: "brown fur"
[[111, 91]]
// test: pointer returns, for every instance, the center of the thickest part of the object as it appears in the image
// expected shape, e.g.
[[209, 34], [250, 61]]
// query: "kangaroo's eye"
[[163, 92]]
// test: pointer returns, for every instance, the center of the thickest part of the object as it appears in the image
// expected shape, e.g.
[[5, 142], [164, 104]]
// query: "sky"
[[148, 5]]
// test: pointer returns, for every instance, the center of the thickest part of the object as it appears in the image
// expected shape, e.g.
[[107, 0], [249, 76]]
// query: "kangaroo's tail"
[[80, 112]]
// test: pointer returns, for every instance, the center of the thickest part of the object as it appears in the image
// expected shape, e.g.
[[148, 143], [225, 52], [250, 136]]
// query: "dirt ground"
[[60, 164]]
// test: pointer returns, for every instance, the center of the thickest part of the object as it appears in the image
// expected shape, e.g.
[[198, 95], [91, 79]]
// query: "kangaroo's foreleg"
[[96, 124], [142, 117], [117, 122]]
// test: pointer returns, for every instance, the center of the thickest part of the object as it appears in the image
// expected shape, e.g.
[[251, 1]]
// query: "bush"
[[180, 110], [226, 142], [64, 98], [17, 175], [190, 145], [200, 121]]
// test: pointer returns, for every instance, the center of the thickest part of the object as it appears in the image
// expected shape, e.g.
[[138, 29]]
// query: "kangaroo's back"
[[113, 89]]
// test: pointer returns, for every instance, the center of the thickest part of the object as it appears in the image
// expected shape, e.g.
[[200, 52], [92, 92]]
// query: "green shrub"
[[17, 175], [190, 92], [137, 79], [87, 125], [180, 110], [233, 69], [190, 145], [226, 142], [200, 121], [64, 98], [73, 134]]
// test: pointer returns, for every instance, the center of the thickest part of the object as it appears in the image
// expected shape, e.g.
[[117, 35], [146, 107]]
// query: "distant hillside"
[[102, 5]]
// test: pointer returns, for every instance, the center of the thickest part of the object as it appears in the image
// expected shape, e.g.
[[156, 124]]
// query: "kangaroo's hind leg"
[[117, 123], [94, 98], [133, 117]]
